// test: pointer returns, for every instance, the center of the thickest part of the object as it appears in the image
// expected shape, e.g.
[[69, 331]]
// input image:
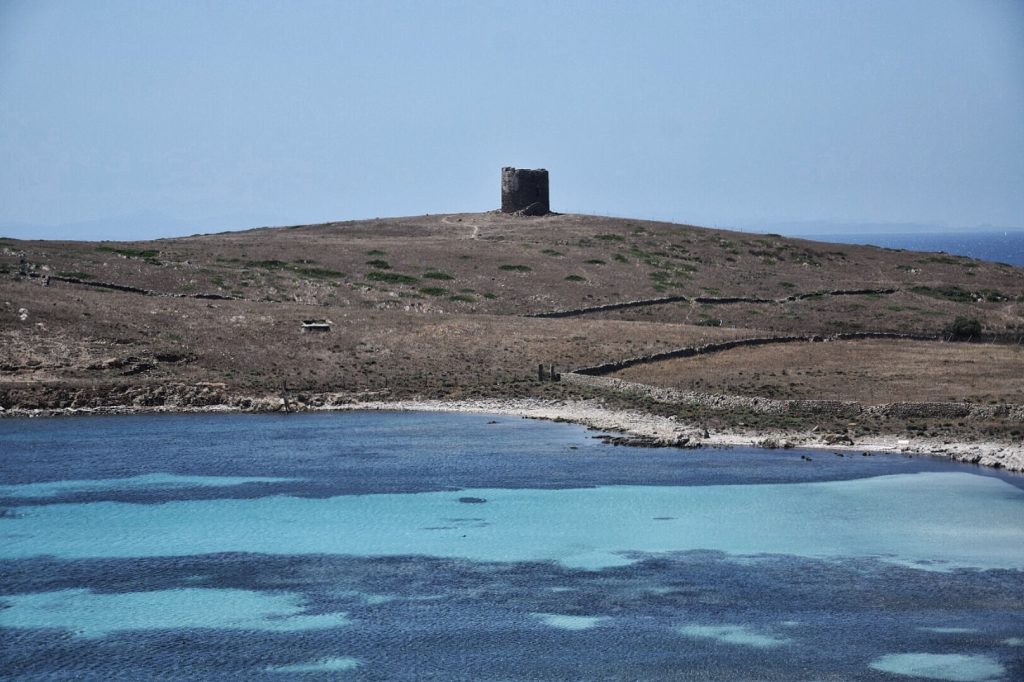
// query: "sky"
[[132, 119]]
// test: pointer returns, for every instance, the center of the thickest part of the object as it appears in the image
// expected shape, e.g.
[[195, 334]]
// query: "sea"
[[413, 546], [1003, 246]]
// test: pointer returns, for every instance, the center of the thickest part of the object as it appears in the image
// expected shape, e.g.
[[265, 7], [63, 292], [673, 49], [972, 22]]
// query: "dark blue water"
[[435, 546], [999, 247]]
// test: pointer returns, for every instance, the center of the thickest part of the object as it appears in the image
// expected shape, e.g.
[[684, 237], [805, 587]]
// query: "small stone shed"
[[316, 326]]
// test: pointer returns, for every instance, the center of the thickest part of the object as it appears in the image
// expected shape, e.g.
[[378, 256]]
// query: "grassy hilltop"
[[440, 306]]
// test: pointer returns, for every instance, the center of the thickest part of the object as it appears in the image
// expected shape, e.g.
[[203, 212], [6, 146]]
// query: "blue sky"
[[143, 119]]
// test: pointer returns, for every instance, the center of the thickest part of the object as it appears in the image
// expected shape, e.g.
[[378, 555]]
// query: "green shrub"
[[611, 237], [575, 278], [515, 268], [941, 259], [955, 293], [434, 291], [463, 298], [391, 277], [379, 264], [130, 253], [552, 252], [267, 264], [436, 274], [595, 261], [318, 273], [965, 328]]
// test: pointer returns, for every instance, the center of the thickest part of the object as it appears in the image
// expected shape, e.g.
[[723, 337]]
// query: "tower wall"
[[525, 190]]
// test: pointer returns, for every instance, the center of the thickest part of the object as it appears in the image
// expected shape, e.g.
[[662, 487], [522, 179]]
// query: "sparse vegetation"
[[490, 347], [267, 264], [318, 273], [965, 328], [941, 259], [955, 293], [129, 253], [391, 277]]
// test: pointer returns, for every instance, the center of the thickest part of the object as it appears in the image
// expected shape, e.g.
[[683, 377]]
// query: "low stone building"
[[316, 325]]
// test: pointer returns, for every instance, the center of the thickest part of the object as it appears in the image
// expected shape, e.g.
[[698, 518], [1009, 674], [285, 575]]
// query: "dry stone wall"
[[718, 347], [708, 300], [832, 408], [125, 287]]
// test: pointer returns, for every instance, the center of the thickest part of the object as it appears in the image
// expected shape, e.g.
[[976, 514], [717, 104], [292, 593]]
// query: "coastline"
[[638, 428]]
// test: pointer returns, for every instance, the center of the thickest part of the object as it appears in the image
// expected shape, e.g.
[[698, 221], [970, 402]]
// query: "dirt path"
[[474, 234]]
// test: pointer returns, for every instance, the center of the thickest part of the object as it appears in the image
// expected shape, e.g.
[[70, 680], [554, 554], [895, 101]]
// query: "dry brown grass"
[[869, 371], [457, 327]]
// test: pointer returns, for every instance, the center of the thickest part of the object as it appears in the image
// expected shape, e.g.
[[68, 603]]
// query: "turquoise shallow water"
[[933, 520], [393, 546]]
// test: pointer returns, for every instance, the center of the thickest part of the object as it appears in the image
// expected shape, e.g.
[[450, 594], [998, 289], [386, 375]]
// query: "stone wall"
[[831, 408], [708, 300], [125, 288], [718, 347]]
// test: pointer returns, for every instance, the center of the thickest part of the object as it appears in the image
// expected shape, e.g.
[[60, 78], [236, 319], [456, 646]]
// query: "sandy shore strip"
[[641, 428], [637, 428]]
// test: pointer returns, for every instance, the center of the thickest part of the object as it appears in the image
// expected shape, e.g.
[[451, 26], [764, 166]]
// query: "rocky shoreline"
[[638, 428]]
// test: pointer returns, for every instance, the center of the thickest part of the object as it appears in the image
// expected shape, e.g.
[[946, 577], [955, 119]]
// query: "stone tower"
[[524, 191]]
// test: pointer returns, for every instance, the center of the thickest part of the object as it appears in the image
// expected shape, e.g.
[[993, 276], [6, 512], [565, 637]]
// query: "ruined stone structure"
[[524, 191]]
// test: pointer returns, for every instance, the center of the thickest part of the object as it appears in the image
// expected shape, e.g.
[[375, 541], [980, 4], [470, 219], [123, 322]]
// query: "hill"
[[467, 306]]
